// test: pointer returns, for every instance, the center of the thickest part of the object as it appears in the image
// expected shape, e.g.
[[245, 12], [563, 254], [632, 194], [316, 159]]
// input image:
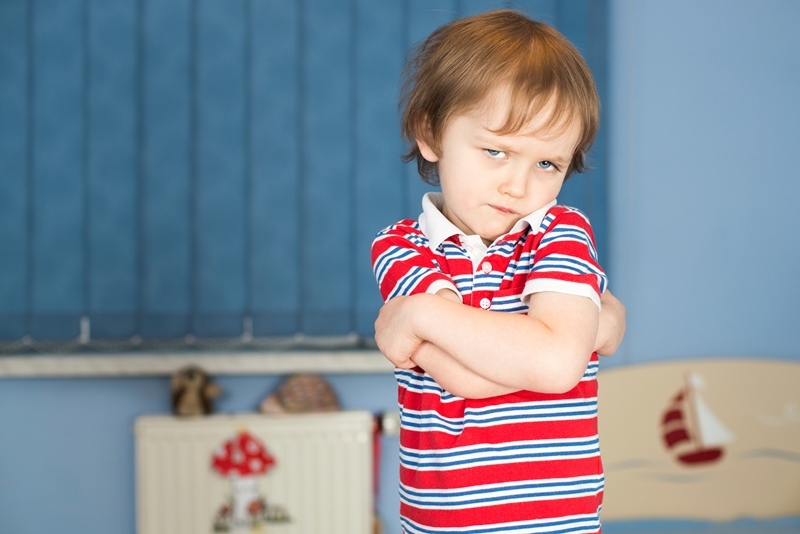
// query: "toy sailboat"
[[690, 429]]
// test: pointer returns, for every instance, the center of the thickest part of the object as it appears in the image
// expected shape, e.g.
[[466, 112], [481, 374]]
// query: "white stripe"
[[406, 285], [538, 285], [574, 524], [564, 263], [415, 382], [498, 454], [503, 493], [431, 420], [385, 260]]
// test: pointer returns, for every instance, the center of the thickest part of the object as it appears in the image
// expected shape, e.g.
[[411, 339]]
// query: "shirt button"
[[487, 267], [486, 303]]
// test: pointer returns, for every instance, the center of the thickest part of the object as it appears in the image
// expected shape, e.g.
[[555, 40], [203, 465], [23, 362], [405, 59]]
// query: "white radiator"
[[320, 482]]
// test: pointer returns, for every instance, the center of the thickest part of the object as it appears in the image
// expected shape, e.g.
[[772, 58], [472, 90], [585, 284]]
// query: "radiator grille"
[[322, 478]]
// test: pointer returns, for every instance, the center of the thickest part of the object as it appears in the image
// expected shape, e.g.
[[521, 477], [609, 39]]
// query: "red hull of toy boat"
[[701, 456]]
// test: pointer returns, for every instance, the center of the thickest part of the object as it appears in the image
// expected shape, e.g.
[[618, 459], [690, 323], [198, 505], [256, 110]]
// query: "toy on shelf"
[[193, 393], [301, 393]]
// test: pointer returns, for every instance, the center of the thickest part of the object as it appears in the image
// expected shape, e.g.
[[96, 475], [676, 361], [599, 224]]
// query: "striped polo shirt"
[[516, 463]]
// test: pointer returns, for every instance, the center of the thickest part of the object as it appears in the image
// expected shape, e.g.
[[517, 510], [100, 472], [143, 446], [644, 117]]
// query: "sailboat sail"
[[710, 429], [691, 429]]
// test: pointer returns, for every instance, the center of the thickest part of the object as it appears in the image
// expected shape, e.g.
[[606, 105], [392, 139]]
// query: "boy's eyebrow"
[[497, 141], [486, 134]]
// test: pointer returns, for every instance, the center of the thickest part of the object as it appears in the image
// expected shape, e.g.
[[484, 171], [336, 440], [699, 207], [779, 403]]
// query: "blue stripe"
[[580, 525], [391, 255], [593, 488], [590, 490], [591, 441], [491, 460], [542, 405], [407, 284], [429, 420], [592, 483], [412, 381], [582, 267], [495, 502], [429, 426], [418, 239], [517, 309], [529, 417], [530, 412]]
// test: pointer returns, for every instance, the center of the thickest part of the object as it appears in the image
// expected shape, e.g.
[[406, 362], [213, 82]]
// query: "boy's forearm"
[[453, 376], [611, 325], [545, 352]]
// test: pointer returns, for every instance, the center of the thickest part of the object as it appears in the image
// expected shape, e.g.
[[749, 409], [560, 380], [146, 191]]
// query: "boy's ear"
[[425, 148], [427, 152]]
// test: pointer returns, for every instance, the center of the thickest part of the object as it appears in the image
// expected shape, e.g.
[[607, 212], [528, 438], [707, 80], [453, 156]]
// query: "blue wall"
[[703, 177], [166, 167], [703, 249], [67, 449]]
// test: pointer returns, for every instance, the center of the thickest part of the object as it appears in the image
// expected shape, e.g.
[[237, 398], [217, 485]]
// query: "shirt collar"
[[437, 227]]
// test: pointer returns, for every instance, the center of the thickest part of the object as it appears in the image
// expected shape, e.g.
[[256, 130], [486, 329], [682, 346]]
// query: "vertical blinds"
[[204, 167]]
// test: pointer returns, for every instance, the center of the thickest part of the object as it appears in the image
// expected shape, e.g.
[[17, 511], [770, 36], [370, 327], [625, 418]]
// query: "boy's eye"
[[547, 165], [497, 154]]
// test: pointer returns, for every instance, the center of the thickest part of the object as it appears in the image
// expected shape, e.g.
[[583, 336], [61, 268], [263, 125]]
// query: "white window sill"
[[215, 363]]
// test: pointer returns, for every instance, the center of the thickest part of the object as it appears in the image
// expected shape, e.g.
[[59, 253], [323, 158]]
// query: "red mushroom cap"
[[243, 455]]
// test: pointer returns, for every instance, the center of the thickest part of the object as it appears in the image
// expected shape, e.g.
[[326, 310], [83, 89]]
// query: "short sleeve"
[[565, 260], [404, 264]]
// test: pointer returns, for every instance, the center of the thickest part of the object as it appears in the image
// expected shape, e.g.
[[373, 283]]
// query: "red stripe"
[[701, 457], [427, 439], [672, 415], [675, 437], [512, 472], [455, 408], [488, 515]]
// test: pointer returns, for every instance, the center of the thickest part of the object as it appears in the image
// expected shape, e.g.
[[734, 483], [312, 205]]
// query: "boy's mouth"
[[503, 210]]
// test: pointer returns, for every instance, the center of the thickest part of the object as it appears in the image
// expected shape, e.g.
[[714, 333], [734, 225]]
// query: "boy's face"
[[490, 181]]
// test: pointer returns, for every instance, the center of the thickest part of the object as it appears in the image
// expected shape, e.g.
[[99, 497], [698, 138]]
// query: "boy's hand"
[[394, 334], [611, 327]]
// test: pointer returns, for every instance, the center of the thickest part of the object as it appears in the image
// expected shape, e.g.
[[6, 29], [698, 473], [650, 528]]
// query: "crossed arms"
[[474, 353]]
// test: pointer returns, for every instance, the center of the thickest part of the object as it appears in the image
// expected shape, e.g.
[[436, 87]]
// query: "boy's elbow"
[[566, 382], [559, 378], [556, 385]]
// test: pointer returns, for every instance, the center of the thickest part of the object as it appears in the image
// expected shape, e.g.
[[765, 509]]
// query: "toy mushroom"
[[243, 459]]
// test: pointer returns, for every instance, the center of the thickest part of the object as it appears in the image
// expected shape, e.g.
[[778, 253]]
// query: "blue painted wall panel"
[[423, 17], [328, 148], [59, 171], [379, 172], [113, 167], [166, 168], [190, 167], [221, 180], [275, 149], [473, 7], [583, 23], [706, 244], [543, 10], [14, 110]]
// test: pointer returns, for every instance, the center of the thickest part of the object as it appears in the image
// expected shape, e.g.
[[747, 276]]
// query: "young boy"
[[498, 410]]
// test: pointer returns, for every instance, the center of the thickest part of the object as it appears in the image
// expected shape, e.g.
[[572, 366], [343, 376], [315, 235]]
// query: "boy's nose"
[[514, 183]]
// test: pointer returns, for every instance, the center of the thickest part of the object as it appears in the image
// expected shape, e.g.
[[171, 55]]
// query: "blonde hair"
[[455, 69]]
